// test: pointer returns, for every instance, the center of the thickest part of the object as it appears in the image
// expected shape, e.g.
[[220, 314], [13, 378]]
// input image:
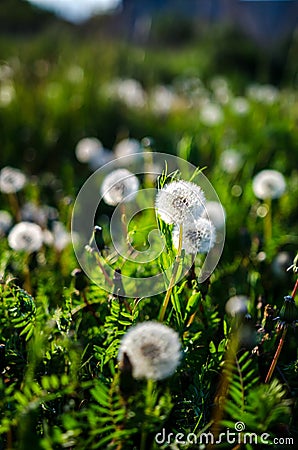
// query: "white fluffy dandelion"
[[240, 105], [163, 99], [215, 212], [231, 160], [11, 180], [268, 184], [26, 236], [179, 201], [211, 114], [119, 186], [198, 236], [129, 91], [87, 149], [5, 221], [237, 305], [263, 93], [153, 349], [61, 237], [127, 147]]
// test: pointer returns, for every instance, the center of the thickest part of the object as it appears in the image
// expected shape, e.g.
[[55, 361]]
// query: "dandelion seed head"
[[61, 237], [5, 221], [25, 236], [119, 186], [162, 99], [87, 149], [263, 93], [280, 264], [268, 184], [127, 147], [11, 180], [153, 349], [40, 214], [198, 236], [7, 93], [211, 114], [237, 305], [231, 160], [100, 159], [240, 105], [129, 91], [179, 201], [215, 212]]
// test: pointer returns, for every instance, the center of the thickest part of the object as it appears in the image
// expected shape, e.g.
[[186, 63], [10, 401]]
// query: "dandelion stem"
[[27, 281], [224, 384], [89, 307], [14, 203], [281, 342], [148, 410], [277, 353], [295, 289], [108, 279], [173, 278], [268, 222]]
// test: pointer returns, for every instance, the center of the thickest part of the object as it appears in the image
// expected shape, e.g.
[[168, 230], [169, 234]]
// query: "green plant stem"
[[277, 353], [148, 410], [27, 281], [295, 290], [223, 388], [173, 278], [14, 203], [281, 342], [104, 272], [268, 222]]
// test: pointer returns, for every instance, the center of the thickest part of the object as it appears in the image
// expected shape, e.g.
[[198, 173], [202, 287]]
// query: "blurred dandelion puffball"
[[61, 237], [87, 149], [240, 105], [268, 184], [129, 91], [215, 212], [198, 236], [119, 186], [5, 221], [153, 349], [11, 180], [211, 114], [127, 147], [230, 160], [179, 201], [237, 305], [26, 236]]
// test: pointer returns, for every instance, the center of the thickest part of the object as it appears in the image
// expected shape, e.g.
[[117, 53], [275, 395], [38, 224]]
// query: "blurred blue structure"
[[267, 21]]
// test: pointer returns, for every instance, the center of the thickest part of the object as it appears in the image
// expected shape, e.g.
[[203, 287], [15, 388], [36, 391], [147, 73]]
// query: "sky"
[[76, 10]]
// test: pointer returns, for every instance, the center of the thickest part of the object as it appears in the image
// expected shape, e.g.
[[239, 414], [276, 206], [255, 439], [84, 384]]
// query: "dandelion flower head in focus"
[[11, 180], [268, 184], [153, 349], [198, 236], [179, 201], [25, 236], [119, 186]]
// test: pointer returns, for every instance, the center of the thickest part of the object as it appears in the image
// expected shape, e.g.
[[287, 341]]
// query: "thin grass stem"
[[173, 278]]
